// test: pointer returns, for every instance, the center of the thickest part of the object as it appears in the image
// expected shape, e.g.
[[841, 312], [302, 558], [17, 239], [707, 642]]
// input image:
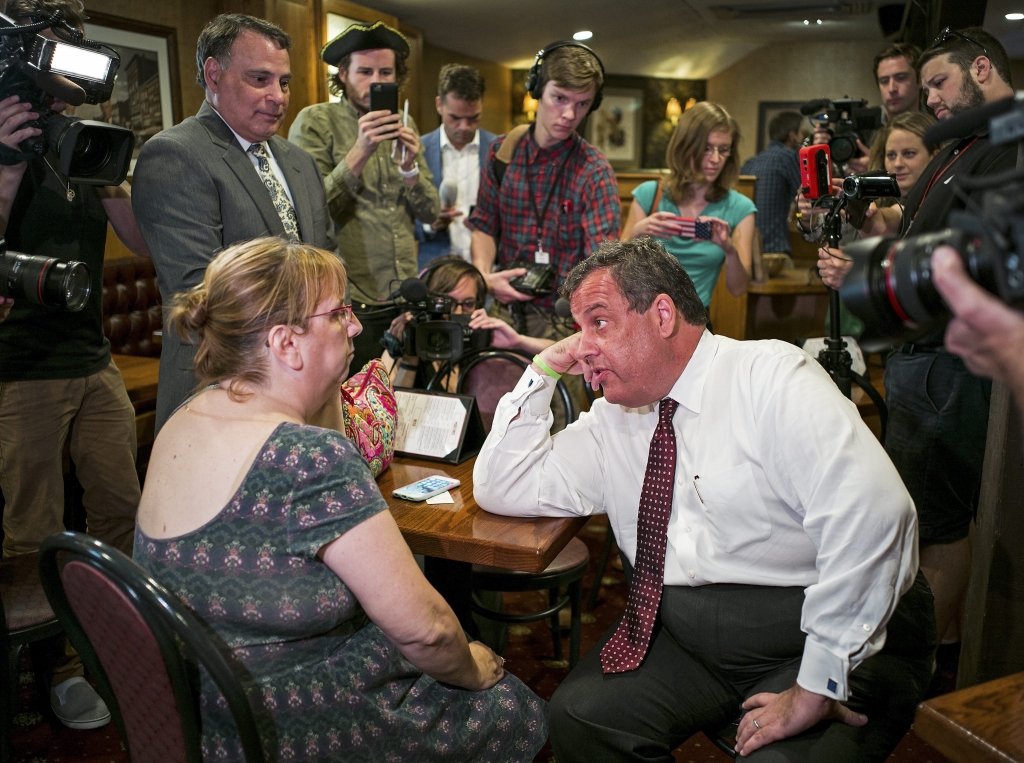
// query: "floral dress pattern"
[[333, 687]]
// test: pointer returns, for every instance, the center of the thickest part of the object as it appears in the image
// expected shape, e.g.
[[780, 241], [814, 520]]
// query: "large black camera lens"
[[45, 280], [890, 286], [93, 153], [843, 147]]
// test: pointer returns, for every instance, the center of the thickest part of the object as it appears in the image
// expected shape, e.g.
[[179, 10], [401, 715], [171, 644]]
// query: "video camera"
[[44, 280], [890, 286], [432, 336], [76, 71], [851, 121]]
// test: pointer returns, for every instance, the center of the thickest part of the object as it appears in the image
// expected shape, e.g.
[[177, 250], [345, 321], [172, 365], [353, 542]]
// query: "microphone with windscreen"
[[816, 106], [449, 193], [411, 290], [562, 308]]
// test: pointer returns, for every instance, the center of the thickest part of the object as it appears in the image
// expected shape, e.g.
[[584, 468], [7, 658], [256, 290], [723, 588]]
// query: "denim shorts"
[[938, 421]]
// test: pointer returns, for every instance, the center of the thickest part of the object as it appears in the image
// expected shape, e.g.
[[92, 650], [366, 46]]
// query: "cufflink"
[[832, 686]]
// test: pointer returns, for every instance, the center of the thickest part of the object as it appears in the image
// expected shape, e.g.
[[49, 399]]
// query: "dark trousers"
[[716, 645]]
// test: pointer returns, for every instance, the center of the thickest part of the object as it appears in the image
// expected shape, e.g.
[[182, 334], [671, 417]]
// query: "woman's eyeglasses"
[[467, 305], [345, 311], [948, 33], [722, 151]]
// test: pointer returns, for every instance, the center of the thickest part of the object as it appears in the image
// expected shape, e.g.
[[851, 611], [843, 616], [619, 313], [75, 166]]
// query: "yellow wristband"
[[546, 368]]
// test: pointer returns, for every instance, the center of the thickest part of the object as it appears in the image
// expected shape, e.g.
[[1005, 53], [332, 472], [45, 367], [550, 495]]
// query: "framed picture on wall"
[[616, 129], [768, 110], [146, 97]]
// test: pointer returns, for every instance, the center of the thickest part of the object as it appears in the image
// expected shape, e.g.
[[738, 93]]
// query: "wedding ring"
[[756, 724]]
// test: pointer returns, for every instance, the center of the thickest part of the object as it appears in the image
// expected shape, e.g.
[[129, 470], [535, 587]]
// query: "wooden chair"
[[25, 619], [127, 629]]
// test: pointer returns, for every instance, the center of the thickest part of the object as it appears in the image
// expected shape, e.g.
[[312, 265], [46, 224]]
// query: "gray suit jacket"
[[195, 192]]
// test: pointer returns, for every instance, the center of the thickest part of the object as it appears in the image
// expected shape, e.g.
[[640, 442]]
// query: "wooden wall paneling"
[[497, 108]]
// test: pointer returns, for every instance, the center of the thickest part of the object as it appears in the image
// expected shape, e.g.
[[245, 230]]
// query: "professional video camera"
[[76, 71], [432, 336], [890, 286], [851, 121], [44, 280]]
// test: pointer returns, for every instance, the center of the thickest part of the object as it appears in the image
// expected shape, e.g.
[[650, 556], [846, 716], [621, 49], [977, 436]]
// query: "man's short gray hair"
[[642, 270], [219, 35]]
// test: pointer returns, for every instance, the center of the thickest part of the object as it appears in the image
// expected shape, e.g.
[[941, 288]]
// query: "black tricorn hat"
[[363, 37]]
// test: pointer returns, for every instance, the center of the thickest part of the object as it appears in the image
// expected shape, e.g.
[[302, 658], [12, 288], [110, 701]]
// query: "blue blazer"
[[440, 243]]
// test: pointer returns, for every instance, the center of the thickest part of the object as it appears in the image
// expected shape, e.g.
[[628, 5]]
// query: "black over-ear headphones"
[[535, 87]]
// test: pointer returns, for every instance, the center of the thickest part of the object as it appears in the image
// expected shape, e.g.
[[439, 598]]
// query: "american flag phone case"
[[689, 227]]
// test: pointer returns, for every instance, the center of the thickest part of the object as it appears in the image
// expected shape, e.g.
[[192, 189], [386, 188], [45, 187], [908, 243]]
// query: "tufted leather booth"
[[131, 306]]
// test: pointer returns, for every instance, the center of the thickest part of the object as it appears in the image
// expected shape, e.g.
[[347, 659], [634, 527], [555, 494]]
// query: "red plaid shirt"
[[584, 208]]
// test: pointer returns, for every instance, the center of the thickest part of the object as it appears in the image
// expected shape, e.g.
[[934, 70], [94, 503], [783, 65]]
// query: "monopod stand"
[[835, 358]]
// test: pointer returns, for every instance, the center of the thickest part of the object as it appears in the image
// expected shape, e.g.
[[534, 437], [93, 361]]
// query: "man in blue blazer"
[[455, 152]]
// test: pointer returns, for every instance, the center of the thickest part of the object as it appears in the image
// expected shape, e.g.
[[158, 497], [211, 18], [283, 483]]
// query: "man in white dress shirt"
[[774, 545]]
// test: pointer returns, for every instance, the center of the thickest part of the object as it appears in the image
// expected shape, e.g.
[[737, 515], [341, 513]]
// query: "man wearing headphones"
[[547, 197]]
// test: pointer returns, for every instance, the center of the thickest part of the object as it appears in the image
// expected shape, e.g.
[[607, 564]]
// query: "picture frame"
[[147, 93], [616, 129], [767, 111]]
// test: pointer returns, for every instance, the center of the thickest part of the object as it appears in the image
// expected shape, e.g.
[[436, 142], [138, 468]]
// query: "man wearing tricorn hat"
[[374, 193]]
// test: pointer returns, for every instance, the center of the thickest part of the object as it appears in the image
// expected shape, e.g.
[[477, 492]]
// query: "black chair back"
[[127, 629]]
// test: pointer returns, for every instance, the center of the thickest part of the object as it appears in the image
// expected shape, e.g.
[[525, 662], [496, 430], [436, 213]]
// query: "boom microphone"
[[413, 290], [967, 123], [816, 106], [449, 193]]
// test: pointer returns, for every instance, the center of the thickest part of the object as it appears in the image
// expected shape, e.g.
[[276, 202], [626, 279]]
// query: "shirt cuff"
[[343, 175], [822, 672], [533, 389]]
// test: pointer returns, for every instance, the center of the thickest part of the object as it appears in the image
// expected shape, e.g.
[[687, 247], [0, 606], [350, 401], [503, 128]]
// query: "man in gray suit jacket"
[[455, 152], [223, 176]]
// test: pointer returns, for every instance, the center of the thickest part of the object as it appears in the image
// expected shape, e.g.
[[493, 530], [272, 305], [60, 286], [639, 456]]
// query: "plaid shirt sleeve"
[[485, 216], [602, 214]]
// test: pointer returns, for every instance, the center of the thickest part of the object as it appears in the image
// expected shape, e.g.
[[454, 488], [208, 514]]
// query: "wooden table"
[[789, 305], [982, 723], [453, 537], [140, 376]]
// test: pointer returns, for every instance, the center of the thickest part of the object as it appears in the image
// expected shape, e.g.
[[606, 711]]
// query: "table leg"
[[454, 581]]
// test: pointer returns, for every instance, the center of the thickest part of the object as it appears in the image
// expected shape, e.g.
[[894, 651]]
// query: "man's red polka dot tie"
[[628, 645]]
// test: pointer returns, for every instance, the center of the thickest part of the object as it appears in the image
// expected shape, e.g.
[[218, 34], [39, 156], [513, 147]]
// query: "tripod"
[[835, 358]]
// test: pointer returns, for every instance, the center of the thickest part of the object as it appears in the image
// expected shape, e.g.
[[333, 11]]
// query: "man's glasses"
[[947, 34], [344, 311]]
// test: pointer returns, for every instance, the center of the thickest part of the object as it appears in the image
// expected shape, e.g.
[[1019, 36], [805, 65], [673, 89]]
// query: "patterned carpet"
[[529, 656]]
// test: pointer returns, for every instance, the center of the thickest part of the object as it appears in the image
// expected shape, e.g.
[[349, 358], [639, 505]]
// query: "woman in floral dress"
[[274, 532]]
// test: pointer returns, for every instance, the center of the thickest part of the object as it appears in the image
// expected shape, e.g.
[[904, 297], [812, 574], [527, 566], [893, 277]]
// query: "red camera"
[[815, 171]]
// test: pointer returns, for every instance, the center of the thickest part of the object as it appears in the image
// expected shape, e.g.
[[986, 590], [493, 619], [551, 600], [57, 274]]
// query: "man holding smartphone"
[[377, 180]]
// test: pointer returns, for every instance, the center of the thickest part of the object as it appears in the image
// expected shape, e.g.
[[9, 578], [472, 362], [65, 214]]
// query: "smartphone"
[[384, 97], [690, 227], [425, 488], [815, 171]]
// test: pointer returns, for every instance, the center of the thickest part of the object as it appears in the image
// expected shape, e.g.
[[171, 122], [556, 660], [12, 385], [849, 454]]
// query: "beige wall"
[[497, 113], [788, 72]]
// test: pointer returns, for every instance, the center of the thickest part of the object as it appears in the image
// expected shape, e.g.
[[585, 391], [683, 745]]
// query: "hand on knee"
[[771, 717]]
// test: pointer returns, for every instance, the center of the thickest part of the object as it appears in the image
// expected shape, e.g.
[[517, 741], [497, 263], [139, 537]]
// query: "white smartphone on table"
[[425, 488]]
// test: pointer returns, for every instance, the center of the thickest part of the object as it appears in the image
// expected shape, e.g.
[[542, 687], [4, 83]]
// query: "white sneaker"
[[77, 705]]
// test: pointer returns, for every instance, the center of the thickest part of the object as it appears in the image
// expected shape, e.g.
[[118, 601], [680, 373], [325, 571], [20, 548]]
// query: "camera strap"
[[10, 156]]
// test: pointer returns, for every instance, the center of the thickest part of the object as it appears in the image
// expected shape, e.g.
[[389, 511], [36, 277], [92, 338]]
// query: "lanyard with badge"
[[540, 256]]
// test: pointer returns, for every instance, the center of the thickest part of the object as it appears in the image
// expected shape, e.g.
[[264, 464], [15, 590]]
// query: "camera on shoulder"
[[850, 120]]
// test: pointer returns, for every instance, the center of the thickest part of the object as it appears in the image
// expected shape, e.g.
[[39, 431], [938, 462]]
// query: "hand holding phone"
[[691, 227], [425, 488]]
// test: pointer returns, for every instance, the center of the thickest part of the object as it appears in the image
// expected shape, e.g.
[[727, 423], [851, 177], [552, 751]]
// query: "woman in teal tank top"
[[704, 165]]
